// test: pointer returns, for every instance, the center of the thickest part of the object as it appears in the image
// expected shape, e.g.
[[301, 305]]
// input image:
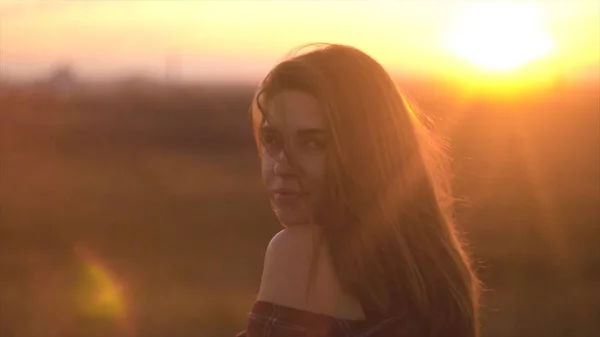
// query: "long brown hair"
[[387, 218]]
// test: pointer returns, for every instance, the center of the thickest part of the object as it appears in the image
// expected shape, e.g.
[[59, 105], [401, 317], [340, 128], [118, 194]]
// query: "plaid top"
[[271, 320]]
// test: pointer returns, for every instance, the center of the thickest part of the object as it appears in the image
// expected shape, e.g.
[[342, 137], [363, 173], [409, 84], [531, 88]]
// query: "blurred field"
[[161, 183]]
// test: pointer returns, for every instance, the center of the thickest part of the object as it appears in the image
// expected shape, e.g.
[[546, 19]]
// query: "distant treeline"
[[181, 118]]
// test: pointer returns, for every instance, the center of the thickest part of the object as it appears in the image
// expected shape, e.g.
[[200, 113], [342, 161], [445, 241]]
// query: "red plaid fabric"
[[270, 320]]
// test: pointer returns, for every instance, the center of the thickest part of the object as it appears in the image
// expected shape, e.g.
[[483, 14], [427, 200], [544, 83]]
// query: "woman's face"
[[294, 154]]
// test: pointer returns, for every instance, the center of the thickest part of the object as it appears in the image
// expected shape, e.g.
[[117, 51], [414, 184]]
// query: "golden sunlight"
[[500, 36], [102, 295]]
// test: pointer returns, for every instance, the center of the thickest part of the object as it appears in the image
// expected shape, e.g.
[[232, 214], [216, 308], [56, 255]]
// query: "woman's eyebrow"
[[311, 132]]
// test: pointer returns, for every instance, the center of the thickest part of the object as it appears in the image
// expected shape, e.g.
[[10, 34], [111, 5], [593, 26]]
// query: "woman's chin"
[[288, 219]]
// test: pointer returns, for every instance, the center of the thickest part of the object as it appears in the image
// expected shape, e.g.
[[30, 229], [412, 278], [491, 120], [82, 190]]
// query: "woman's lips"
[[287, 196]]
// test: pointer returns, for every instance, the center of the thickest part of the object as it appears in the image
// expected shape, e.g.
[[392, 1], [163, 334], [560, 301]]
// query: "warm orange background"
[[240, 40]]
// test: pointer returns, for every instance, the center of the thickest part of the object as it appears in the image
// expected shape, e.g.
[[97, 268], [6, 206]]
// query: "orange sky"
[[241, 39]]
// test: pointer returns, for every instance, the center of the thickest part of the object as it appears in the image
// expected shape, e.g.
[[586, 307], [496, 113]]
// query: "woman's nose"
[[283, 165]]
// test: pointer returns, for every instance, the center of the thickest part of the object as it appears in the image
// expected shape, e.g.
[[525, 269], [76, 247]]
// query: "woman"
[[358, 182]]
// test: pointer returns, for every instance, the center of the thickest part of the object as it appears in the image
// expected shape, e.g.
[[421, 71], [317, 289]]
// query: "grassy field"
[[159, 188]]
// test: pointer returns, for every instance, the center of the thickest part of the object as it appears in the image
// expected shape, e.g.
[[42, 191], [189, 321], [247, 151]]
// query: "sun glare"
[[500, 36]]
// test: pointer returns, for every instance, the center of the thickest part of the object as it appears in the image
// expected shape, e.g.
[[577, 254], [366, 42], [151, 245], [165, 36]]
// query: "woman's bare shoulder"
[[287, 266], [290, 239], [286, 275]]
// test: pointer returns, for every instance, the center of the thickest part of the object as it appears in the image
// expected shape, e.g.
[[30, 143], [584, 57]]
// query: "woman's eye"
[[270, 140], [315, 143]]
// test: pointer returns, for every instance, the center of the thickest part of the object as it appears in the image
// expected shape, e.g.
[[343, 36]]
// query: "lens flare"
[[102, 295]]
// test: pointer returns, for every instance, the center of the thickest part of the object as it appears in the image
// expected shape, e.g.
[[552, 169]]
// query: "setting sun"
[[500, 37]]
